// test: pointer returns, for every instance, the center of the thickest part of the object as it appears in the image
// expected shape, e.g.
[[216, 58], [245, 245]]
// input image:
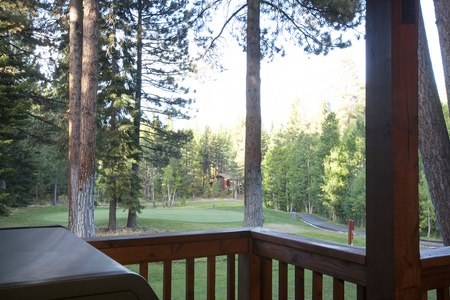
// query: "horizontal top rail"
[[344, 262], [435, 268], [173, 246], [338, 260]]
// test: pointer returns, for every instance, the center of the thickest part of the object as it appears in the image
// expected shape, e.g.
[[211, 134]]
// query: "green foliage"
[[344, 177], [427, 217], [216, 189], [304, 169], [335, 182], [316, 25], [276, 176], [22, 126]]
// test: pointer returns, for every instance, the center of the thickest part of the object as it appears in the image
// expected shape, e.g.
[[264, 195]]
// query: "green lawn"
[[194, 215]]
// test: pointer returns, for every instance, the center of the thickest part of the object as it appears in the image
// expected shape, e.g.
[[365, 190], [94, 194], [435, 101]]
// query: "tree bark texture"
[[434, 143], [75, 55], [112, 221], [132, 218], [253, 213], [82, 206]]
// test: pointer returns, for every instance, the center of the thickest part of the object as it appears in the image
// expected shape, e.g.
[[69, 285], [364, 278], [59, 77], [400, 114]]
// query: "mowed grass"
[[198, 214], [194, 215]]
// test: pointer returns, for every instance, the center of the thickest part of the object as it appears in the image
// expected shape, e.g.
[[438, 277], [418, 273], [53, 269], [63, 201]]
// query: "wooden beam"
[[393, 260]]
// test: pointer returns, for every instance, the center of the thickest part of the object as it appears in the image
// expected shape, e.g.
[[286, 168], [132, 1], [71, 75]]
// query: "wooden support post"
[[350, 231], [393, 260]]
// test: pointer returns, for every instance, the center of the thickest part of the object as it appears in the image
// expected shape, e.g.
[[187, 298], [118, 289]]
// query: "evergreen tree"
[[303, 168], [117, 150], [162, 60], [336, 175], [276, 175], [354, 144], [204, 159], [20, 81], [329, 139], [427, 216]]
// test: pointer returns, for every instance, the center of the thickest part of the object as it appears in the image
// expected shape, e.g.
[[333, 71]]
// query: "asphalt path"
[[319, 223], [316, 222]]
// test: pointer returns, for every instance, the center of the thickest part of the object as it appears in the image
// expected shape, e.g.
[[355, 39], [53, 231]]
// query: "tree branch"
[[225, 25]]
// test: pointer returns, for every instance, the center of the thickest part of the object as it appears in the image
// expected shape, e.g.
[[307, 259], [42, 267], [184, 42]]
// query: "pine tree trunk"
[[55, 192], [132, 218], [75, 55], [112, 223], [132, 213], [253, 213], [153, 195], [434, 143], [112, 220], [83, 207]]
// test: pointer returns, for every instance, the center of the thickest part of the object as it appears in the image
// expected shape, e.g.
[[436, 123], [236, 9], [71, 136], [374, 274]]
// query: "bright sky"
[[221, 100]]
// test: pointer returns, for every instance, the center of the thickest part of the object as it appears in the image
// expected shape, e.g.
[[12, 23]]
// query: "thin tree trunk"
[[253, 213], [168, 195], [434, 143], [55, 192], [75, 55], [132, 213], [112, 221], [153, 193]]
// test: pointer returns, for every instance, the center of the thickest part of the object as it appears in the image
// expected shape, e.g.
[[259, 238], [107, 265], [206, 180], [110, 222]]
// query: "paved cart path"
[[316, 222], [319, 223]]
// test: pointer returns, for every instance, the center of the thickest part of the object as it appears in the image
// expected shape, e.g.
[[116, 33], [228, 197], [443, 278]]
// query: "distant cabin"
[[225, 180]]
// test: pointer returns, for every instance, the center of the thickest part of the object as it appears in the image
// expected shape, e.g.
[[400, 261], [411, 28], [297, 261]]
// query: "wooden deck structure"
[[392, 265]]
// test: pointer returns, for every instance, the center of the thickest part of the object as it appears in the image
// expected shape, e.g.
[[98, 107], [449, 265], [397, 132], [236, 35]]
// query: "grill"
[[52, 263]]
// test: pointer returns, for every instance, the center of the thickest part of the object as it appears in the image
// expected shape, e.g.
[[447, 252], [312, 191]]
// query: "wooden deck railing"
[[259, 252]]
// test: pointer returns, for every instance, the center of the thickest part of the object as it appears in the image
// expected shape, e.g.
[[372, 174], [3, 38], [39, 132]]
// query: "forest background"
[[314, 163]]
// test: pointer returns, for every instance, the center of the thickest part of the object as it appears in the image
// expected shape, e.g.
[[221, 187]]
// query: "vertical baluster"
[[317, 286], [211, 278], [282, 280], [190, 267], [167, 280], [338, 289], [361, 293], [266, 278], [424, 295], [249, 285], [299, 283], [143, 269], [442, 294], [231, 277]]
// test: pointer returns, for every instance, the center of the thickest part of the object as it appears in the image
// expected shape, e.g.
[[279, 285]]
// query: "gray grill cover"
[[52, 263]]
